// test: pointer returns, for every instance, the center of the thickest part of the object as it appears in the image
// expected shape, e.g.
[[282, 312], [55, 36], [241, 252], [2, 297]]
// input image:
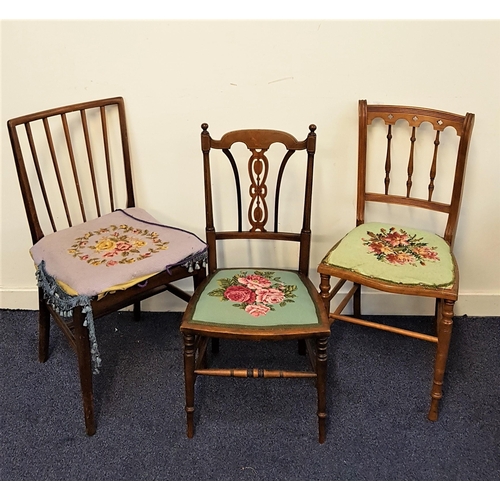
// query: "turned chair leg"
[[85, 368], [321, 362], [445, 325], [189, 358], [324, 291], [43, 328]]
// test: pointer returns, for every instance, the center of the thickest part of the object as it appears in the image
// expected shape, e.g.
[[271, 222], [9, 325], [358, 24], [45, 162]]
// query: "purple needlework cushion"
[[115, 251]]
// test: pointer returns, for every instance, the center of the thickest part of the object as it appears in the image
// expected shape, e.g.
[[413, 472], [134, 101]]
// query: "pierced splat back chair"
[[95, 252], [388, 256], [256, 303]]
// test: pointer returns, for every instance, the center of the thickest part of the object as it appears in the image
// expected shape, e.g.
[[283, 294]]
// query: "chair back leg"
[[82, 344]]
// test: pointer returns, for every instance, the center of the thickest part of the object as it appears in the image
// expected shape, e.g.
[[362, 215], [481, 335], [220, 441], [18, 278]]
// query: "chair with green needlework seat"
[[404, 197], [258, 287], [95, 252]]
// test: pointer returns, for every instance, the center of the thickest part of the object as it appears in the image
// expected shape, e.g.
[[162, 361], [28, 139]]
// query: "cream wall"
[[174, 75]]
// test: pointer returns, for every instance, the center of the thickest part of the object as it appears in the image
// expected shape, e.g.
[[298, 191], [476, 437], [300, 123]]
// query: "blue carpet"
[[249, 430]]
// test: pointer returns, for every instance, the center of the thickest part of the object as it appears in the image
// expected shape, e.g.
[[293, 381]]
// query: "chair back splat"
[[258, 196], [411, 166], [95, 251], [264, 206]]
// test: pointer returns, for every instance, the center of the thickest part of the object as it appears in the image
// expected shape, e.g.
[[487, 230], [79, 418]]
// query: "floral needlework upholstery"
[[113, 252], [395, 254], [250, 297]]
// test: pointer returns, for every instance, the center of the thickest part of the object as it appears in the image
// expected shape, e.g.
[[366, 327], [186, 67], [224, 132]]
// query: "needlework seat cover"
[[255, 298], [395, 254], [113, 252]]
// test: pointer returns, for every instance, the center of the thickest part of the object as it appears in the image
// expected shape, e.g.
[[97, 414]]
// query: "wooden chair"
[[256, 302], [391, 257], [95, 252]]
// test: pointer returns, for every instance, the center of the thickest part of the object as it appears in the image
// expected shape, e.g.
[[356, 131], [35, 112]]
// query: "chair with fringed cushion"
[[257, 302], [393, 257], [94, 251]]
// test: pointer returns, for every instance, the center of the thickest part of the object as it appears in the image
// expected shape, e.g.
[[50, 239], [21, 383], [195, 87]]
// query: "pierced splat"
[[258, 169]]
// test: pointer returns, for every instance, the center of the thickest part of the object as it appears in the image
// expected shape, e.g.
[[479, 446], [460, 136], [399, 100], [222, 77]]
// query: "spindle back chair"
[[74, 169], [386, 255], [257, 302]]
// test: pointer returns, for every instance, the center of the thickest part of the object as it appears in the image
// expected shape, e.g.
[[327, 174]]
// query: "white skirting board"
[[469, 303]]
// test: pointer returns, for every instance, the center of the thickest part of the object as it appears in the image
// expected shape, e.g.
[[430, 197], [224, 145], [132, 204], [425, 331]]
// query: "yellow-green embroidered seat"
[[275, 301], [94, 251], [398, 255], [389, 256]]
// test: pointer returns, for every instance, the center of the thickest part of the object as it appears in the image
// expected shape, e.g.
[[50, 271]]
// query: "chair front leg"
[[43, 328], [324, 291], [321, 372], [445, 325], [82, 343], [189, 378], [356, 304]]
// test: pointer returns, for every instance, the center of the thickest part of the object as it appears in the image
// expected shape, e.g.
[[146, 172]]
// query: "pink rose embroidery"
[[399, 247], [123, 246], [270, 296], [239, 294], [256, 294], [257, 310]]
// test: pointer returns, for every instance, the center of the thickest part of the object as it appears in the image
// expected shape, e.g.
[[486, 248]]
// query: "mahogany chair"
[[256, 302], [391, 257], [95, 252]]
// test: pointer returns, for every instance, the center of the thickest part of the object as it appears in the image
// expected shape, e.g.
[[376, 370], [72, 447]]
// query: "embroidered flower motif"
[[238, 293], [257, 310], [116, 245], [256, 293], [399, 248]]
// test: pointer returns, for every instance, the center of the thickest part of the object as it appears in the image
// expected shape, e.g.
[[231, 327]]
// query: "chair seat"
[[395, 254], [255, 299], [114, 252]]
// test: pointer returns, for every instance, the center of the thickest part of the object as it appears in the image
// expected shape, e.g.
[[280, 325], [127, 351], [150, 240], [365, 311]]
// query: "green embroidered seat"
[[255, 298], [397, 255]]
